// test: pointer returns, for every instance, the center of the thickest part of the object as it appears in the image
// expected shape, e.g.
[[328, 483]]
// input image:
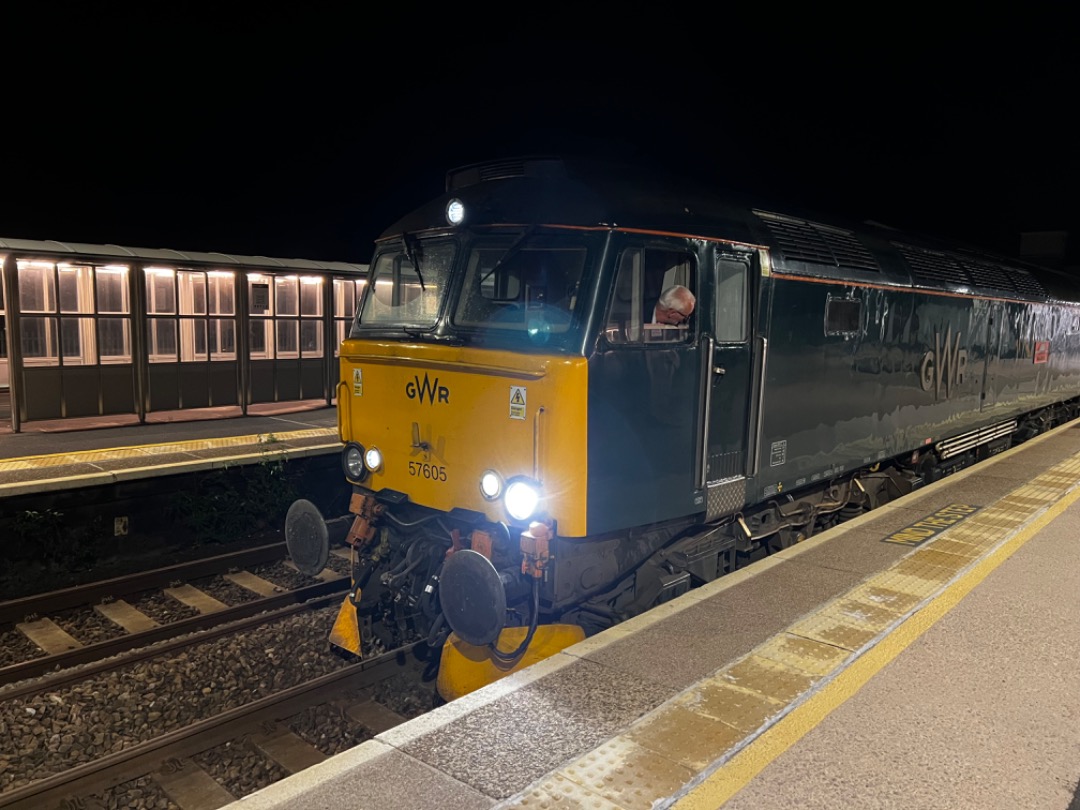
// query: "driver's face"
[[673, 315]]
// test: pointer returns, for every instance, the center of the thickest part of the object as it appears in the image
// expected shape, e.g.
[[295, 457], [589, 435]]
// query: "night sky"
[[257, 139]]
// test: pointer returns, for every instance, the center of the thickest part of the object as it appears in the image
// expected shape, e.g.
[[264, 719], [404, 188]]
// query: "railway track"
[[194, 712], [32, 623], [171, 765]]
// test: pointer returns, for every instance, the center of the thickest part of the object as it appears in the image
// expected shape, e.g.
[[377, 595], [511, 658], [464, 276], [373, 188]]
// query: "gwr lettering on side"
[[943, 368], [931, 525], [429, 391]]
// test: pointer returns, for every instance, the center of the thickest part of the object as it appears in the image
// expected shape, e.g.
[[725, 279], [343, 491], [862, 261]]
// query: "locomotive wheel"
[[472, 597], [307, 537]]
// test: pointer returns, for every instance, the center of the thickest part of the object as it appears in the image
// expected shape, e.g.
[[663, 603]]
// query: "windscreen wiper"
[[411, 248], [511, 251]]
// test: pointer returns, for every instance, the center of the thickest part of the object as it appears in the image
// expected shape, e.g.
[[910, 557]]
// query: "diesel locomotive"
[[534, 455]]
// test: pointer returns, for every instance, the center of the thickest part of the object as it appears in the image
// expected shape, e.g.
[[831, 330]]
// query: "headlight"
[[455, 212], [490, 485], [373, 459], [522, 498], [352, 462]]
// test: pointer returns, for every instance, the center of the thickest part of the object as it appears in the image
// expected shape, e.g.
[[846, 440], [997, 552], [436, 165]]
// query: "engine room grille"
[[1025, 282], [804, 241], [988, 275], [1001, 277], [934, 268], [495, 170]]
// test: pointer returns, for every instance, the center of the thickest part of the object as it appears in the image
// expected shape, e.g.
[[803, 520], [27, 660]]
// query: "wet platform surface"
[[69, 457], [922, 655]]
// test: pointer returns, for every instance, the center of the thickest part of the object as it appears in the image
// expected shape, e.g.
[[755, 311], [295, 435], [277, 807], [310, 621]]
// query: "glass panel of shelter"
[[61, 311], [347, 294], [285, 316], [4, 382], [180, 308], [113, 307]]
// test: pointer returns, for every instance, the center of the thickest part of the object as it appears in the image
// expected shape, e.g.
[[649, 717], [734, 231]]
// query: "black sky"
[[259, 139]]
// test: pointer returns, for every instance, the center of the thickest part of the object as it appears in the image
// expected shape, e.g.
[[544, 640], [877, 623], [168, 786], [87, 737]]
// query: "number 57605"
[[432, 472]]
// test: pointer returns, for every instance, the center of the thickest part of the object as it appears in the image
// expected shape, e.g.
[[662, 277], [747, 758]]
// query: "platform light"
[[455, 212], [352, 462], [373, 459], [522, 498], [490, 484]]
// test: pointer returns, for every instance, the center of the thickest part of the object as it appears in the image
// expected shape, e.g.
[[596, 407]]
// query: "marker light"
[[522, 498], [373, 459], [352, 462], [490, 485], [455, 212]]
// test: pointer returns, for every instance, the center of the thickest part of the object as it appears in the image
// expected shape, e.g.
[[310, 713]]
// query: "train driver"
[[675, 306]]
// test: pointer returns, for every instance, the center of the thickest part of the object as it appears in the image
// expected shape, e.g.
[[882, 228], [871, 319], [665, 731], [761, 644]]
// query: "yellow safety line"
[[734, 775], [191, 465], [174, 446]]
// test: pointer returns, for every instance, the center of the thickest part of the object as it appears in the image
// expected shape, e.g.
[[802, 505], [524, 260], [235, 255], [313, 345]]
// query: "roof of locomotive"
[[547, 190], [583, 193]]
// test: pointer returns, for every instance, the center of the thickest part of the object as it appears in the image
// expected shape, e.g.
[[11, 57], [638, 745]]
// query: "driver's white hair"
[[673, 296]]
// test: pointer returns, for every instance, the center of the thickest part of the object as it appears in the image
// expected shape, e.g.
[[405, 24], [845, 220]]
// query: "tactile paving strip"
[[710, 721], [266, 441]]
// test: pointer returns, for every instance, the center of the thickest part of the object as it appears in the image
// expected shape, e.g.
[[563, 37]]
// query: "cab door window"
[[730, 317], [636, 314]]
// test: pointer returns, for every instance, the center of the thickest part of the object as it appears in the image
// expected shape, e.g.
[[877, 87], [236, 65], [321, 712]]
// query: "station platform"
[[70, 454], [923, 655]]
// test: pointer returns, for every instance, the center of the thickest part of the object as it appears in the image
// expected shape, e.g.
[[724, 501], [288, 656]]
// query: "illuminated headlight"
[[490, 485], [522, 498], [352, 462], [373, 459], [455, 212]]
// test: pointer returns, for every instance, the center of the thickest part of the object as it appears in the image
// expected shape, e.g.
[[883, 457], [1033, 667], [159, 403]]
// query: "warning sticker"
[[517, 401], [778, 453], [357, 382]]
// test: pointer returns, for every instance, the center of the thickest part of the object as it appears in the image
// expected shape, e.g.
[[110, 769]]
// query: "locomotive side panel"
[[1064, 357], [856, 374], [1037, 362]]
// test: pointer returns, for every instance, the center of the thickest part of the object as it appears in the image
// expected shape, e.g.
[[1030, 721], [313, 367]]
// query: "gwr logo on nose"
[[427, 390]]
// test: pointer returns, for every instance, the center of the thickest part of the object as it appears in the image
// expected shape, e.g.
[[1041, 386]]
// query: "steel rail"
[[146, 757], [216, 624], [15, 610]]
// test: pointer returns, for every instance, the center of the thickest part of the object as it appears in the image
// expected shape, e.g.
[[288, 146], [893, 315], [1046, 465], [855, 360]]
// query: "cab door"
[[644, 415], [727, 371]]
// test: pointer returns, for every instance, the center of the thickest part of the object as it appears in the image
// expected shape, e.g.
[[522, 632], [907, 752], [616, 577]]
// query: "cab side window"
[[644, 273], [731, 279]]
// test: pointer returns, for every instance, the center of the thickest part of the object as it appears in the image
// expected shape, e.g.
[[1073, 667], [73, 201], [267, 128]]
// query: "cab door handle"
[[719, 370]]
